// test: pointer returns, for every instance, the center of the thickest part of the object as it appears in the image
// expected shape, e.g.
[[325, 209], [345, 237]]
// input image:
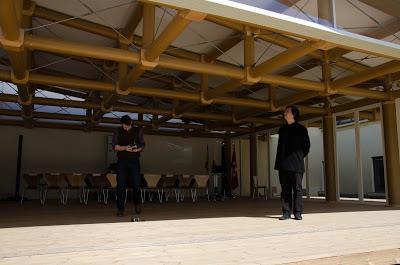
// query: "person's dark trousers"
[[292, 192], [128, 169]]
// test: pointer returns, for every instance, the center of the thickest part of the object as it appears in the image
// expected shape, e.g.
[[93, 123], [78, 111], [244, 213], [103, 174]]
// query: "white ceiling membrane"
[[287, 24]]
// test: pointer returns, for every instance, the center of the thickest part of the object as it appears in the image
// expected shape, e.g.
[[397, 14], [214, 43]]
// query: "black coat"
[[293, 146]]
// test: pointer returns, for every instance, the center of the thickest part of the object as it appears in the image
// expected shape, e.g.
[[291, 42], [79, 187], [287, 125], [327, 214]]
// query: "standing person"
[[128, 141], [293, 146]]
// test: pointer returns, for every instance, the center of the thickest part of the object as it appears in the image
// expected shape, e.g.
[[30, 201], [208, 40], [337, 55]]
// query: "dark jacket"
[[293, 146], [132, 137]]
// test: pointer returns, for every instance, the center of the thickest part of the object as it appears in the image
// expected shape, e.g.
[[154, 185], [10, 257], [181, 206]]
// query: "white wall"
[[371, 145], [315, 162], [315, 158], [53, 150], [175, 155], [346, 159], [49, 150]]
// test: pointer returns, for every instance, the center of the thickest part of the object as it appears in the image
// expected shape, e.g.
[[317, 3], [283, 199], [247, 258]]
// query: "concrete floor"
[[236, 231]]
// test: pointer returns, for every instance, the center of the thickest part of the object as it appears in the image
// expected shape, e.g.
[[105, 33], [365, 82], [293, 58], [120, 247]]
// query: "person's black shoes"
[[120, 213], [284, 217], [298, 217], [138, 209]]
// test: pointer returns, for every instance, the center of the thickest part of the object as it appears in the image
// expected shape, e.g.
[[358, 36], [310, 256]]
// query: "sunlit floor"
[[235, 231]]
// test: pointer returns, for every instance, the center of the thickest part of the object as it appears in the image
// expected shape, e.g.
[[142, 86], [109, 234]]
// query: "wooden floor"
[[235, 231]]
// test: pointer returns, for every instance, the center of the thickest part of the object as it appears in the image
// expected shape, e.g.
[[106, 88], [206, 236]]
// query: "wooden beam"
[[336, 54], [354, 105], [223, 47], [391, 7], [11, 25], [111, 129], [134, 109], [287, 42], [385, 30], [287, 56], [133, 21], [325, 14], [149, 16], [87, 26], [380, 70], [296, 98], [287, 25], [275, 62], [150, 54], [67, 92], [119, 55]]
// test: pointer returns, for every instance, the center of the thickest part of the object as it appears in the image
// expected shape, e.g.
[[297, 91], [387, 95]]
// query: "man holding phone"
[[128, 141]]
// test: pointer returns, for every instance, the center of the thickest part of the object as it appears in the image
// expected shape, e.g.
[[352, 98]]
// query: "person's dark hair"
[[126, 120], [295, 111]]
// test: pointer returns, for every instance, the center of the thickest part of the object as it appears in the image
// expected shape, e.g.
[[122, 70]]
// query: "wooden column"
[[330, 158], [253, 161], [389, 122]]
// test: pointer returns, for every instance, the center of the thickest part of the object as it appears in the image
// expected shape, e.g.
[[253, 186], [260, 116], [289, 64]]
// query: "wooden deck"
[[236, 231]]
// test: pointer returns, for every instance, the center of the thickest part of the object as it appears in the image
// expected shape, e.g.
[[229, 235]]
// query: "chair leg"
[[160, 194], [61, 195], [99, 192], [66, 197], [80, 195], [22, 197], [86, 197], [126, 195], [44, 195], [176, 195], [105, 195], [208, 195], [166, 195], [143, 195], [193, 194]]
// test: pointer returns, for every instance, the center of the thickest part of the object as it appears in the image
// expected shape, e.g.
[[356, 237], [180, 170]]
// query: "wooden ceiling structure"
[[224, 110]]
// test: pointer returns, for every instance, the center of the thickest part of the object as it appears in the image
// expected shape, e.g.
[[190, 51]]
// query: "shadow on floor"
[[31, 213]]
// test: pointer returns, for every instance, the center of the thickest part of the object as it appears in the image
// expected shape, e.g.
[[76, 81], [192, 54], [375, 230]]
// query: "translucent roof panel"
[[62, 110], [11, 118], [9, 105], [60, 121], [48, 94], [8, 88], [119, 114], [175, 121], [356, 16]]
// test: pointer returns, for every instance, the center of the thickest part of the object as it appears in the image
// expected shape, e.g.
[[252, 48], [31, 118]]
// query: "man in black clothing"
[[128, 141], [293, 146]]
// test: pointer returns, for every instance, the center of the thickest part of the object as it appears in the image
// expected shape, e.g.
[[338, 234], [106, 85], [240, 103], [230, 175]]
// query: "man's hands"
[[132, 149], [128, 148]]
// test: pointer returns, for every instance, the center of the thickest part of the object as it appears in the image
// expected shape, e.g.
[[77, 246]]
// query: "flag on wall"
[[234, 173]]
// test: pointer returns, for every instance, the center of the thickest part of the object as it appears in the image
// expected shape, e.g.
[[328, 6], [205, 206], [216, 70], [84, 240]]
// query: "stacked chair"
[[163, 186], [153, 185], [33, 181]]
